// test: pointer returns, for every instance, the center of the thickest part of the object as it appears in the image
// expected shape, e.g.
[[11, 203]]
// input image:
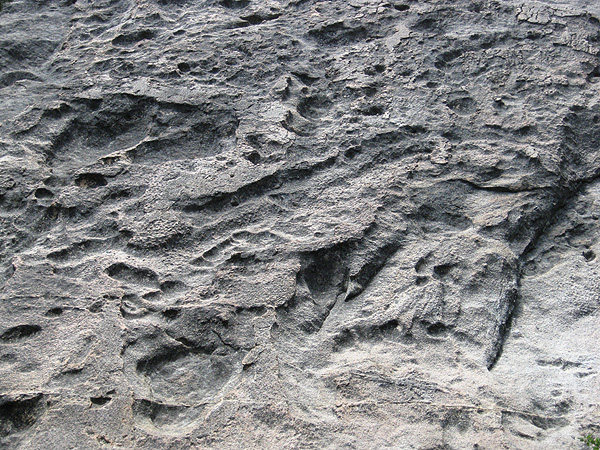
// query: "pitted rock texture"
[[299, 223]]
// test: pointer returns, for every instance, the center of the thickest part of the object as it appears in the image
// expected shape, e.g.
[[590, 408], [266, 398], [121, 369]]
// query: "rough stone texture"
[[299, 223]]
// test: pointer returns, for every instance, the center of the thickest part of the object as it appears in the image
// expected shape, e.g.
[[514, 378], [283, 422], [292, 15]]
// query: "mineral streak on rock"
[[299, 223]]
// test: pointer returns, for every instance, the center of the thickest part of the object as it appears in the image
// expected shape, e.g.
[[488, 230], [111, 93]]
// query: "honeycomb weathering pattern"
[[299, 223]]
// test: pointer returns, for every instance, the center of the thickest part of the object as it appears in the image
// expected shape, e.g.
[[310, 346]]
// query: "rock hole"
[[442, 270], [125, 272], [100, 400], [323, 273], [525, 130], [369, 91], [313, 107], [420, 281], [594, 74], [20, 332], [374, 110], [343, 340], [174, 418], [54, 312], [18, 414], [420, 265], [254, 19], [447, 57], [8, 357], [170, 286], [389, 327], [90, 180], [43, 193], [132, 38], [425, 24], [171, 314], [253, 157], [352, 152], [183, 67], [462, 104], [589, 255], [235, 4], [435, 329], [96, 307], [151, 296]]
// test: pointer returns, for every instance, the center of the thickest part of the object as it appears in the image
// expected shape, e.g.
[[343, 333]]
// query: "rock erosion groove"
[[299, 223]]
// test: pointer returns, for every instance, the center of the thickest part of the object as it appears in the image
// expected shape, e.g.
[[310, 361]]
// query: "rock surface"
[[299, 223]]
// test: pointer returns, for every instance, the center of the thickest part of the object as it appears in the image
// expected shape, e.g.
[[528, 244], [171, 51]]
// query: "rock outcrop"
[[299, 223]]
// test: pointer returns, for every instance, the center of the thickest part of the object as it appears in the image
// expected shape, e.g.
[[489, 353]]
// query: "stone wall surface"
[[299, 224]]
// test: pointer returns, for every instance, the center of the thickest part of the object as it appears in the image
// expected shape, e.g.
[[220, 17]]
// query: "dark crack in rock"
[[299, 223]]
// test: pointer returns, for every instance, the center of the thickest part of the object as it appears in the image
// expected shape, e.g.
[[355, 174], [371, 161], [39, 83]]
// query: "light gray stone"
[[299, 224]]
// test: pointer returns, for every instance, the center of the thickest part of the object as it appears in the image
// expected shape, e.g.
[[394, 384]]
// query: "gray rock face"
[[299, 223]]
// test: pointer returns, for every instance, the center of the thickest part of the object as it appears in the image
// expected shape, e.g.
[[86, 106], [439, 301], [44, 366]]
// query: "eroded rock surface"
[[299, 223]]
